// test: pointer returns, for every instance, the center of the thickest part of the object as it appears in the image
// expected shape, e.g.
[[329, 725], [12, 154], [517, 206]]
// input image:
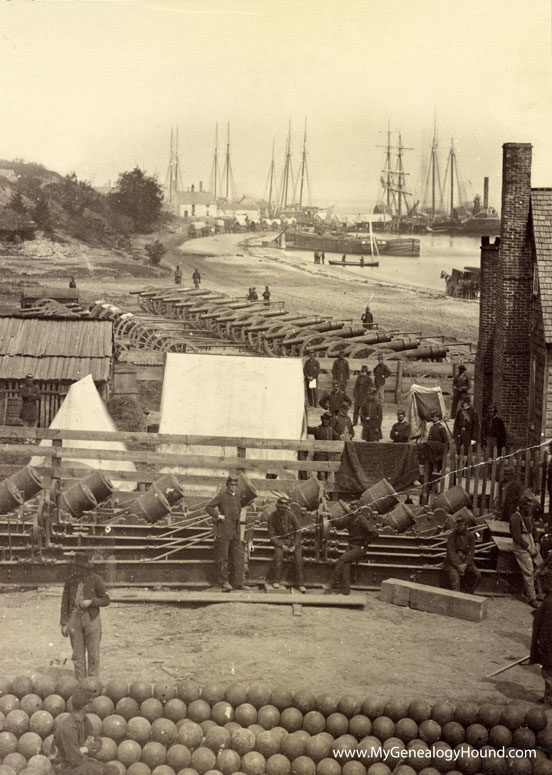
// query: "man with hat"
[[362, 529], [460, 388], [367, 317], [332, 401], [371, 417], [400, 431], [226, 508], [311, 370], [341, 423], [466, 425], [463, 574], [323, 432], [341, 371], [84, 593], [285, 533], [74, 741], [526, 546], [30, 397], [360, 392], [381, 373]]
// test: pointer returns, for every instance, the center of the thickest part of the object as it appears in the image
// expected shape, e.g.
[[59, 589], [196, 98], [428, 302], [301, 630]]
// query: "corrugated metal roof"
[[541, 211], [66, 349]]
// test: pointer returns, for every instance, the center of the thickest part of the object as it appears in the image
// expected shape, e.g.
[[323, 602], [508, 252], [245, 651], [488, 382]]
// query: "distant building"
[[513, 367], [245, 208], [194, 204]]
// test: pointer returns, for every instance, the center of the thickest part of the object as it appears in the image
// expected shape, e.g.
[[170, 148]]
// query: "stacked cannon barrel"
[[271, 330], [179, 727]]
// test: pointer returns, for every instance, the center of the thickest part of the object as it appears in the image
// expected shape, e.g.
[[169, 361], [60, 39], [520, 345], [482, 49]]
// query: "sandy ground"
[[384, 650]]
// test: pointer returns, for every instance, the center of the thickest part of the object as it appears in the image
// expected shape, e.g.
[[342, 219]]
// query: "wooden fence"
[[479, 474]]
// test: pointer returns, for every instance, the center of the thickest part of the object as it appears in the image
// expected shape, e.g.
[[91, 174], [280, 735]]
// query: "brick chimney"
[[511, 361], [484, 359]]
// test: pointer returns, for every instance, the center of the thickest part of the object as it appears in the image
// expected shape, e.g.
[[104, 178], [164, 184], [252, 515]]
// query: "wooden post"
[[475, 509], [543, 468], [398, 384], [55, 480]]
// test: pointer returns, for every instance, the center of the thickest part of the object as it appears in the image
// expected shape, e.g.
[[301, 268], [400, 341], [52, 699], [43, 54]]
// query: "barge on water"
[[329, 243], [353, 263]]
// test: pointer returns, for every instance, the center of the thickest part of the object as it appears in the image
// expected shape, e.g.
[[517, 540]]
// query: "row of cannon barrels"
[[132, 333], [272, 331]]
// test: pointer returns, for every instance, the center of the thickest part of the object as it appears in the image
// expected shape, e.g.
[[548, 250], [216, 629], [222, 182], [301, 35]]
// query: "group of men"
[[252, 294], [367, 401]]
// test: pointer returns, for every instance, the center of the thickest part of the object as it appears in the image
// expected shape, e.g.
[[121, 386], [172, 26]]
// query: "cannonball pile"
[[185, 729]]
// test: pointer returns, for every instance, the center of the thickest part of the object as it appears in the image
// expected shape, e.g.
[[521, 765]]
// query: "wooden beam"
[[238, 596]]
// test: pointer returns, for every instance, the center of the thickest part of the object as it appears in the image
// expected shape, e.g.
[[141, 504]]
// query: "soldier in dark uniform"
[[362, 531], [323, 432], [225, 507], [311, 370], [30, 397], [360, 392], [400, 432], [462, 571], [333, 400], [178, 276], [460, 388], [466, 426], [196, 277], [367, 318], [433, 450], [381, 373], [341, 371], [371, 417], [285, 534], [341, 423], [266, 295], [493, 431], [541, 641]]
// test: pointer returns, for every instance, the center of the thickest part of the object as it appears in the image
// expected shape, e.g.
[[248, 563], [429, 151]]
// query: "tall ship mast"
[[173, 180], [227, 175], [215, 172], [270, 184], [304, 173], [433, 191], [286, 186], [394, 197]]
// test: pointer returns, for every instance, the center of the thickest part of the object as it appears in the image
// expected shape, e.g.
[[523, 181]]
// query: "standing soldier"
[[465, 429], [285, 533], [311, 370], [323, 432], [526, 548], [84, 593], [332, 401], [341, 371], [360, 392], [341, 423], [381, 373], [371, 417], [362, 531], [177, 276], [196, 277], [225, 507], [367, 318], [493, 431], [400, 432], [460, 388], [30, 397], [266, 295]]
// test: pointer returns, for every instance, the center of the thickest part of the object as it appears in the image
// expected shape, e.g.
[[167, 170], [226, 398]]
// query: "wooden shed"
[[57, 352]]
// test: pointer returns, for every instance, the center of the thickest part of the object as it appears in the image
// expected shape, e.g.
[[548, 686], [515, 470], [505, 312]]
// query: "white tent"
[[419, 402], [84, 410], [232, 396]]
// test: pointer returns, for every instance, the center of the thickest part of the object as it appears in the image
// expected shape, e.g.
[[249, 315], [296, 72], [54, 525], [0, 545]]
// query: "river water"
[[438, 252]]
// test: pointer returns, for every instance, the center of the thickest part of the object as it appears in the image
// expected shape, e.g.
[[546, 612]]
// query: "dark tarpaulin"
[[363, 464]]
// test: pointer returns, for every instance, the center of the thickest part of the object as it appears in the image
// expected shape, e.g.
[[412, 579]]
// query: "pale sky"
[[95, 86]]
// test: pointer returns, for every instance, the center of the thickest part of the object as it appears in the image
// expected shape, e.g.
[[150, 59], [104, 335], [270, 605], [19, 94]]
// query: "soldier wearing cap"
[[362, 529], [400, 431], [463, 574], [526, 546], [324, 432], [226, 508], [74, 741], [381, 373], [460, 388], [332, 401], [285, 533], [371, 417], [311, 370], [84, 593], [360, 392], [30, 397], [341, 371]]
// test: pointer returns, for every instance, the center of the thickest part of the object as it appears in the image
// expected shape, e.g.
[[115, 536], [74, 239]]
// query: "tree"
[[41, 215], [17, 204], [76, 194], [138, 196]]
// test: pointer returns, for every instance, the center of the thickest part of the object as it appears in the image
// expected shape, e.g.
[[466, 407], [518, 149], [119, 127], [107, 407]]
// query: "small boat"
[[354, 263]]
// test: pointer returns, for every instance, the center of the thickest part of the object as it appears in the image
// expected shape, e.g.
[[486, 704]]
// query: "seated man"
[[463, 574], [362, 531], [285, 533], [74, 742]]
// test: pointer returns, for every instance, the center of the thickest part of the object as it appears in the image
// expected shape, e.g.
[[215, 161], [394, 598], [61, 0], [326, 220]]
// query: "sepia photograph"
[[275, 370]]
